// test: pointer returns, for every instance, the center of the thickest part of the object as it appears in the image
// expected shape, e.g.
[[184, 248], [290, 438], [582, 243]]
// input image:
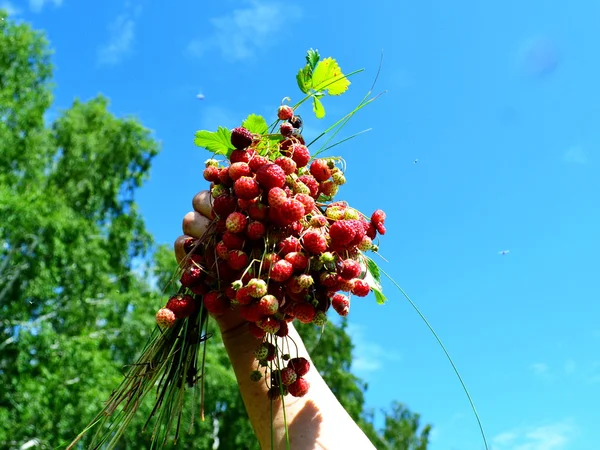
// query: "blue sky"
[[498, 101]]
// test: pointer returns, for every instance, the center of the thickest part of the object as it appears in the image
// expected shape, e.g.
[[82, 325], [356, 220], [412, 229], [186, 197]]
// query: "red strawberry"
[[216, 303], [298, 260], [268, 305], [246, 188], [256, 331], [287, 164], [380, 228], [199, 289], [241, 137], [360, 288], [286, 129], [288, 245], [285, 112], [221, 250], [181, 305], [299, 388], [342, 232], [307, 201], [224, 205], [211, 174], [328, 188], [378, 217], [243, 296], [257, 162], [270, 176], [314, 242], [311, 184], [277, 197], [292, 210], [320, 170], [236, 222], [241, 156], [300, 155], [191, 276], [300, 365], [238, 170], [224, 177], [348, 269], [304, 312], [283, 329], [341, 304], [251, 312], [257, 211], [233, 241], [165, 318], [281, 271], [237, 259], [270, 259], [255, 230]]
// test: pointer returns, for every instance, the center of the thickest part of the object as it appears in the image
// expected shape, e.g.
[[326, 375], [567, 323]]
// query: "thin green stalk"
[[445, 352]]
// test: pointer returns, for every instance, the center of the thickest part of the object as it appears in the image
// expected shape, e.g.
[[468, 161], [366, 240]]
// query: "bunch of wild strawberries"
[[279, 248]]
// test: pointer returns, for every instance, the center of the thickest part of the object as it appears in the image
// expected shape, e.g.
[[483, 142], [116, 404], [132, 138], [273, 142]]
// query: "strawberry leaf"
[[328, 76], [312, 58], [215, 141], [318, 108], [304, 79], [373, 278], [256, 124]]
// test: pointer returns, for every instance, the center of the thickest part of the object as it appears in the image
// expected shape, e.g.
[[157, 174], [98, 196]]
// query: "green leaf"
[[312, 58], [328, 76], [256, 124], [318, 108], [373, 278], [304, 79], [214, 141]]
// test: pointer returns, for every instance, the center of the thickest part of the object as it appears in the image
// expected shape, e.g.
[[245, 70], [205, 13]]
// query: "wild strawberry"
[[298, 187], [285, 112], [314, 242], [216, 303], [237, 259], [246, 188], [181, 305], [378, 217], [348, 269], [257, 162], [311, 184], [256, 331], [270, 259], [292, 210], [320, 319], [251, 312], [288, 245], [218, 189], [288, 376], [305, 281], [286, 129], [257, 287], [300, 365], [328, 188], [269, 324], [299, 388], [341, 304], [298, 260], [191, 275], [262, 351], [255, 230], [287, 164], [224, 205], [300, 155], [318, 221], [236, 222], [199, 289], [320, 170], [270, 176], [304, 312], [342, 232], [283, 329], [268, 305], [256, 375], [276, 392], [257, 211], [238, 170], [165, 318], [245, 204], [224, 177], [338, 178], [240, 156], [281, 271], [243, 296], [307, 201], [211, 174], [221, 250], [241, 137], [360, 288], [233, 241], [277, 197], [351, 214], [271, 351]]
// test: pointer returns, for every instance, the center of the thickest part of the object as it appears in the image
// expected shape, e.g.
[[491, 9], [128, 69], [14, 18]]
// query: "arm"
[[315, 421]]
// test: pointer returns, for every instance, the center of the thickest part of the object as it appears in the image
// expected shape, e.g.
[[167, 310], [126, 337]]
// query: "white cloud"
[[37, 5], [575, 155], [239, 34], [122, 35], [553, 436], [10, 9], [368, 356]]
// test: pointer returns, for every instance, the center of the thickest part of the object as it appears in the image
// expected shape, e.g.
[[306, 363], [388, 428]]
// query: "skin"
[[316, 421]]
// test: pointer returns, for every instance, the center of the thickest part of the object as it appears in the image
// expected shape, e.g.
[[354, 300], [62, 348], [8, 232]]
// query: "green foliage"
[[73, 311], [218, 142], [256, 124]]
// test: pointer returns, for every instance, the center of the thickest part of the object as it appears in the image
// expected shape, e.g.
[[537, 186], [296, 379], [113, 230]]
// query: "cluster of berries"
[[279, 247]]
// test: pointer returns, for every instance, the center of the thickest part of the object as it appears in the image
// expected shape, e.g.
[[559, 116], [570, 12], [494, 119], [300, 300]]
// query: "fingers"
[[195, 224], [202, 203], [179, 248]]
